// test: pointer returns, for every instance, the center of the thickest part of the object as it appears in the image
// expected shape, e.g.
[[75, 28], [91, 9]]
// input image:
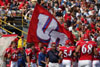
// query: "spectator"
[[59, 13], [14, 5], [42, 58], [53, 56], [22, 42]]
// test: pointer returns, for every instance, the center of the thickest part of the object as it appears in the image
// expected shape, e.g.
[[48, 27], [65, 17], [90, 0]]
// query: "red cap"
[[53, 43]]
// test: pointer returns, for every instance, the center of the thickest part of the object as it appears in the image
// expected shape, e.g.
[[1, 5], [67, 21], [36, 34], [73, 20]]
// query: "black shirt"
[[53, 56]]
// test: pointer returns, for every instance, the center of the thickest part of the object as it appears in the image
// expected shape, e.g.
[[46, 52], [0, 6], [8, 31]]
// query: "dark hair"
[[60, 44], [41, 48], [29, 45], [32, 44], [45, 45], [13, 42]]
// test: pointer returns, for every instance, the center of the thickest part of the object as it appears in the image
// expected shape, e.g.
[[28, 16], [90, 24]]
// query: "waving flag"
[[5, 42], [46, 29]]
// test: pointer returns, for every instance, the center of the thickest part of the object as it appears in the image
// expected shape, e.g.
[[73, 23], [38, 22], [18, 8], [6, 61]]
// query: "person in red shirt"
[[67, 52], [38, 48], [13, 54], [96, 58], [86, 48], [31, 55], [67, 16]]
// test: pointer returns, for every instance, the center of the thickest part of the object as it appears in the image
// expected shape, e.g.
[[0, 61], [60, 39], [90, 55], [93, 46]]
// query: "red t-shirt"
[[1, 3], [87, 50], [21, 5], [67, 17], [7, 1], [32, 54], [14, 53], [67, 52], [98, 56]]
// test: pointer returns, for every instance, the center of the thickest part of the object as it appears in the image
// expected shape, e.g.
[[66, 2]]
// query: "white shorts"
[[60, 65], [66, 63], [96, 63], [53, 64], [74, 64], [85, 63], [14, 64], [33, 64]]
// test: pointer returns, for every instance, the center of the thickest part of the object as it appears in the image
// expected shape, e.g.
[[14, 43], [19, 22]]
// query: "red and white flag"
[[46, 29], [5, 42]]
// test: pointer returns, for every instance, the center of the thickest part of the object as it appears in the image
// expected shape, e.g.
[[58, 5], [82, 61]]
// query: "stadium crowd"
[[81, 17]]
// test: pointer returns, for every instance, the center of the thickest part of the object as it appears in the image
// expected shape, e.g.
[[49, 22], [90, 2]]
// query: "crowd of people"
[[81, 17]]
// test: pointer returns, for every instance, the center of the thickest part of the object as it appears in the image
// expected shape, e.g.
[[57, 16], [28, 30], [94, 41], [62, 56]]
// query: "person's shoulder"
[[50, 51], [41, 54], [20, 39], [57, 51], [8, 50]]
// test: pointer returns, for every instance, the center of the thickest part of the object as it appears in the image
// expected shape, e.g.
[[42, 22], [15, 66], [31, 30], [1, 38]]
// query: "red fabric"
[[67, 17], [98, 29], [32, 32], [1, 3], [82, 19], [86, 50], [92, 25], [32, 54], [7, 1], [16, 40], [14, 53], [88, 31], [21, 5], [67, 52], [98, 55], [21, 0], [38, 51], [77, 29], [85, 21], [91, 8]]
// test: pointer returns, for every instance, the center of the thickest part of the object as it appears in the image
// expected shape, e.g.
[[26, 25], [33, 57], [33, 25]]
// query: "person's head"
[[53, 45], [22, 37], [39, 44], [45, 47], [59, 9], [68, 42], [13, 44], [32, 46], [56, 5], [28, 45], [59, 45], [14, 2], [65, 25], [42, 49]]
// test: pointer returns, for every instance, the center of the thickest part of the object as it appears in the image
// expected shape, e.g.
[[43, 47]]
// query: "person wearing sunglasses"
[[53, 56]]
